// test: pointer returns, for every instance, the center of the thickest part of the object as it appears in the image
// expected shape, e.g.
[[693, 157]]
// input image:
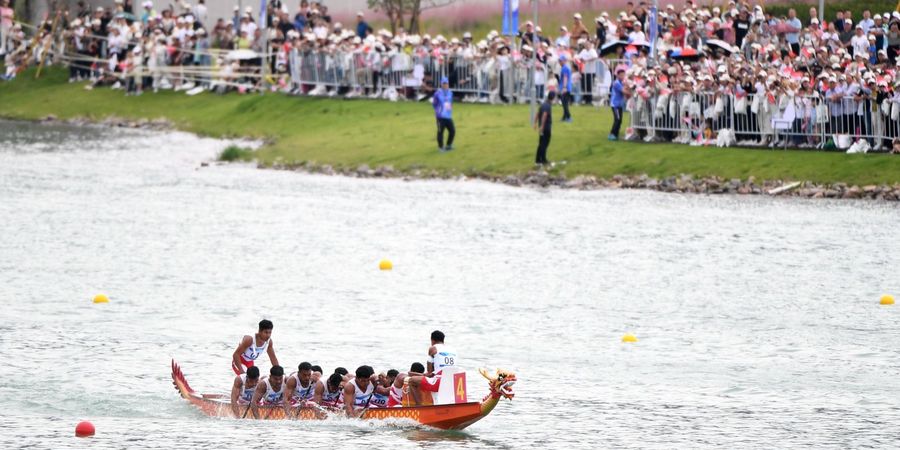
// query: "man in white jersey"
[[242, 389], [358, 391], [299, 387], [252, 346], [395, 397], [439, 356], [382, 392], [328, 393], [270, 392]]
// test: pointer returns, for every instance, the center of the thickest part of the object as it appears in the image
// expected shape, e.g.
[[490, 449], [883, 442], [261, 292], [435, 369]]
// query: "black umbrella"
[[612, 47], [720, 44]]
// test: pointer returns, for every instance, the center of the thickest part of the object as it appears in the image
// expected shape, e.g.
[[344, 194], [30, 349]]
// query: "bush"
[[235, 153]]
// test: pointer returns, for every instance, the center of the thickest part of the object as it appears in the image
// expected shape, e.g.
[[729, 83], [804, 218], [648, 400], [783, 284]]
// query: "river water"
[[757, 318]]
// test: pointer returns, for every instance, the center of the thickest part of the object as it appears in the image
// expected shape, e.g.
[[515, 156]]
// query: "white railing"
[[776, 120]]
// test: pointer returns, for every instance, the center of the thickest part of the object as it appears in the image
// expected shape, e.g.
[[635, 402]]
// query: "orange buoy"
[[84, 429]]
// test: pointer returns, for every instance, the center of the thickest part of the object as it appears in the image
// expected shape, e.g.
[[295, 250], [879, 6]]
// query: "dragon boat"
[[448, 416]]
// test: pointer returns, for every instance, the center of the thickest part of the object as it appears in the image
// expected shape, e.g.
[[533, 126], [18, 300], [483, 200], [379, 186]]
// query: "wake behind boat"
[[454, 415]]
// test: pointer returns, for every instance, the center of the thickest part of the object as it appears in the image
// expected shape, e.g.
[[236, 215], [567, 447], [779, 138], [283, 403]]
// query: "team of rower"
[[341, 390]]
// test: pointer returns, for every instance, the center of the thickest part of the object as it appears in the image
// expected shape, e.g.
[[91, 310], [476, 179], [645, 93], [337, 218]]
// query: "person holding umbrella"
[[443, 112]]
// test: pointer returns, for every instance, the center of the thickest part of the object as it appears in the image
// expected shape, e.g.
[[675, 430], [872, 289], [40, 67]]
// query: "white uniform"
[[272, 396], [444, 357], [360, 397], [329, 398], [378, 401], [250, 354], [246, 394], [301, 393]]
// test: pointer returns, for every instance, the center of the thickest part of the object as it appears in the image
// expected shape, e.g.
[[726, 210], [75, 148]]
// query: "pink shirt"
[[6, 16]]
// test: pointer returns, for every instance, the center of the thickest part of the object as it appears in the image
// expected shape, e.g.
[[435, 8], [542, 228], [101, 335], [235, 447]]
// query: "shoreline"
[[494, 143], [681, 184]]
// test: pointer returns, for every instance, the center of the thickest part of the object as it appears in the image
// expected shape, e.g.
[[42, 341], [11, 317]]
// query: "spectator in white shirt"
[[588, 56], [859, 43]]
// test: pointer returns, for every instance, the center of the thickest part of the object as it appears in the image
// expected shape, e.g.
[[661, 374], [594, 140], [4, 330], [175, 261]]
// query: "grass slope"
[[492, 139]]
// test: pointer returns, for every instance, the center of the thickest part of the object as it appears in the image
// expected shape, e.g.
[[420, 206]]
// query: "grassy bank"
[[492, 139]]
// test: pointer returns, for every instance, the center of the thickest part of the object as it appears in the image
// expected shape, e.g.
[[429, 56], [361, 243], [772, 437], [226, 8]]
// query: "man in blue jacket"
[[443, 112], [565, 87]]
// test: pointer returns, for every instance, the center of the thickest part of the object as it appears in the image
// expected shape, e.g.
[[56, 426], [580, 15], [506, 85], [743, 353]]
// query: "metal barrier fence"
[[494, 79], [777, 121]]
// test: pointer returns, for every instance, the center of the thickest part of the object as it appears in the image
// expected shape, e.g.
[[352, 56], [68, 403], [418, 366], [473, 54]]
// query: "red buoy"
[[84, 429]]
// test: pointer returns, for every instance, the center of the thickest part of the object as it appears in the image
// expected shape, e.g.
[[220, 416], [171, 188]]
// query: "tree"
[[397, 11]]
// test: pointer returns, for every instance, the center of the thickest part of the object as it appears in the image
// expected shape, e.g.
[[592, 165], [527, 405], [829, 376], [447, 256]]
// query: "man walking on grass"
[[443, 112], [543, 122], [617, 95]]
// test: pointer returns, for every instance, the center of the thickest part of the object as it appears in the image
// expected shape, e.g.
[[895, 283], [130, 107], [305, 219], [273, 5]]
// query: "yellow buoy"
[[100, 298], [629, 338], [887, 299], [385, 265]]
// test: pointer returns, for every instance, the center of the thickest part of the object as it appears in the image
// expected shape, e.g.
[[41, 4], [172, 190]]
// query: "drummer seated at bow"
[[242, 390], [358, 391], [440, 356], [252, 346], [299, 387], [270, 392]]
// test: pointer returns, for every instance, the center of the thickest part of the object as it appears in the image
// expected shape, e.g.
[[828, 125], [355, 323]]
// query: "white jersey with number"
[[444, 357], [246, 394], [273, 397], [302, 393], [360, 397], [332, 399], [253, 351]]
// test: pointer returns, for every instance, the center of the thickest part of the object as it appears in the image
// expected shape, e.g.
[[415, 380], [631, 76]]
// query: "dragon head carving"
[[501, 383]]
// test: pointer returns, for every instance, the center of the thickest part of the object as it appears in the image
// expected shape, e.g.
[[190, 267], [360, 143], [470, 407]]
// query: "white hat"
[[237, 8], [577, 16], [248, 10], [148, 4], [526, 48], [814, 21], [877, 16], [359, 14]]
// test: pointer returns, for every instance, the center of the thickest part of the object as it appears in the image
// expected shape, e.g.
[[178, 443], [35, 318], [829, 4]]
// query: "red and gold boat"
[[454, 416]]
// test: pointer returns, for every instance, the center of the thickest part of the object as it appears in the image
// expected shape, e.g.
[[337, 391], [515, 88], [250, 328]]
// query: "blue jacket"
[[443, 103], [566, 74]]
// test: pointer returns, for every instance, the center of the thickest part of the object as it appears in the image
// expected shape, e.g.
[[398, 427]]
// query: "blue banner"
[[654, 31], [510, 17], [262, 15]]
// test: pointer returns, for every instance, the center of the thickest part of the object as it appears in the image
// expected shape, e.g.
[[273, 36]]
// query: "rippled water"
[[757, 318]]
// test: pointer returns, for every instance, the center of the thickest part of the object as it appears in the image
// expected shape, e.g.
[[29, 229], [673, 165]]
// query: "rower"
[[316, 373], [299, 387], [439, 356], [328, 392], [252, 346], [270, 392], [383, 389], [358, 391], [242, 389], [395, 397]]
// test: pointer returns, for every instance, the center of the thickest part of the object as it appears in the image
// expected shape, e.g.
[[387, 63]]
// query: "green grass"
[[490, 139]]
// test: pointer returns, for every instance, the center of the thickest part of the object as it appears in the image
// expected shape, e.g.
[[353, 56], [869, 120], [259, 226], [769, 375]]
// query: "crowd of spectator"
[[840, 75]]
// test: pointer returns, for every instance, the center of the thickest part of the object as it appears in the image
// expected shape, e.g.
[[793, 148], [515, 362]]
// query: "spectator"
[[443, 112], [543, 123], [362, 28]]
